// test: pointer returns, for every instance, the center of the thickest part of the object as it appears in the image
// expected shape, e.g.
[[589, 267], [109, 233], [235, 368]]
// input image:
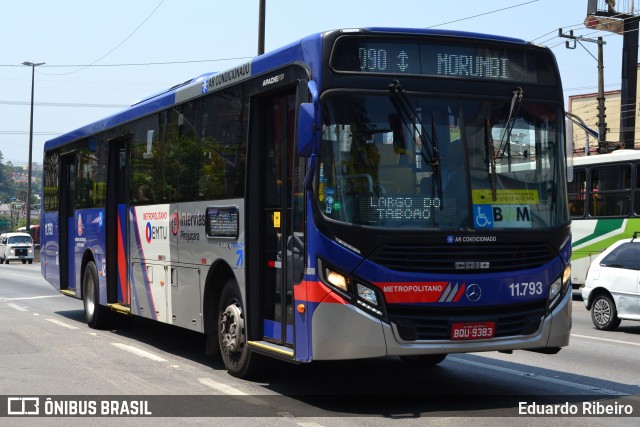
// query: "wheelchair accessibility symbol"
[[483, 216]]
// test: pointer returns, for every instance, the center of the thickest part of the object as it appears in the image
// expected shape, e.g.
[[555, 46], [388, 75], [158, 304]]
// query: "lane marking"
[[22, 275], [231, 391], [27, 298], [59, 323], [17, 307], [542, 378], [605, 339], [223, 388], [138, 352]]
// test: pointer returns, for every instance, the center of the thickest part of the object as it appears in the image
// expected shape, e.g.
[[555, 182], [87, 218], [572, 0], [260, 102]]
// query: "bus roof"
[[614, 156], [305, 50]]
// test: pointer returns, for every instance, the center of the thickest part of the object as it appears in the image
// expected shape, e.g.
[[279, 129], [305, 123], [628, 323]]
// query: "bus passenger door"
[[281, 224], [117, 230], [66, 227]]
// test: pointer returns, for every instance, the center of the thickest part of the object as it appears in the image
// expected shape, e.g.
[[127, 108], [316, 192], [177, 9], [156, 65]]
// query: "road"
[[46, 349]]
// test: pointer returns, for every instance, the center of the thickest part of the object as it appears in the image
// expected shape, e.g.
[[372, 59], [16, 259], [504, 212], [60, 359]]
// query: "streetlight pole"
[[33, 66], [261, 22]]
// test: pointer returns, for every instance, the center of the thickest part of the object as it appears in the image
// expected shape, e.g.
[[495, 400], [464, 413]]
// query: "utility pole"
[[602, 125], [629, 83], [33, 66], [623, 20], [261, 18]]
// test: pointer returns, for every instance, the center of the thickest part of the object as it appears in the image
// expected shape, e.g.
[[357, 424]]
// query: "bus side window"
[[636, 205], [610, 191], [577, 189]]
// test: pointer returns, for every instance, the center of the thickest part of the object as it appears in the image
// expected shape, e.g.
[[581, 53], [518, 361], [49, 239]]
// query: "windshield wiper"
[[516, 101], [491, 158], [494, 157], [411, 119]]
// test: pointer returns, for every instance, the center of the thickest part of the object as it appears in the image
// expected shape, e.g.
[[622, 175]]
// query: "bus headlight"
[[357, 292], [368, 300], [558, 288], [367, 294], [337, 280]]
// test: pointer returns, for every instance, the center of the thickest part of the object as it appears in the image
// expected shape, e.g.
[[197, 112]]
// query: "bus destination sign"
[[462, 60]]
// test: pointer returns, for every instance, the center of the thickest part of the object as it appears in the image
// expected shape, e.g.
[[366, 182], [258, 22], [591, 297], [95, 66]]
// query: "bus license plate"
[[473, 331]]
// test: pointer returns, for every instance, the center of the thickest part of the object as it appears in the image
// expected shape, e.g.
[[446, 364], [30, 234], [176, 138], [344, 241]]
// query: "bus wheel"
[[238, 359], [424, 359], [97, 316], [30, 261], [24, 261]]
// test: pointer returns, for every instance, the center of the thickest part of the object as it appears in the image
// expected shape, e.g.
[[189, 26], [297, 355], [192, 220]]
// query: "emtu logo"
[[148, 232], [158, 232]]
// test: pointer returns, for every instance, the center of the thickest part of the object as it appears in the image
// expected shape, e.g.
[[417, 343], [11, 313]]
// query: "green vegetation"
[[13, 193]]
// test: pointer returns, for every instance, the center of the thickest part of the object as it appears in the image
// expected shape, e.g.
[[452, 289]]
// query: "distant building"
[[585, 106]]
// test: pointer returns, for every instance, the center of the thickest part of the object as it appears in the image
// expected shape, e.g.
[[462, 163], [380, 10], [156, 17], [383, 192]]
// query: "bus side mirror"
[[307, 121], [306, 129]]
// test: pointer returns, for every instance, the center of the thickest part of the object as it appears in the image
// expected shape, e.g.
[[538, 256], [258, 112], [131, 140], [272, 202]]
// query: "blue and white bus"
[[358, 193]]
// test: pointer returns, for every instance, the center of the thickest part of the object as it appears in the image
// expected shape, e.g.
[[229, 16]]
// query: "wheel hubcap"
[[232, 327], [602, 312]]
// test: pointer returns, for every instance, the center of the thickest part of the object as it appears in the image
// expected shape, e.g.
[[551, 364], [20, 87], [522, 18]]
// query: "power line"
[[65, 104], [119, 44], [140, 64], [482, 14], [20, 132]]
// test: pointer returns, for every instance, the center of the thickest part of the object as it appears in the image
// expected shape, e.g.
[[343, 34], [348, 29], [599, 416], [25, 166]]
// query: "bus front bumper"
[[341, 331]]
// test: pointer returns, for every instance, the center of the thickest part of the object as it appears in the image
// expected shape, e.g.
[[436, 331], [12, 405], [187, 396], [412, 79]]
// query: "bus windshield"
[[446, 163]]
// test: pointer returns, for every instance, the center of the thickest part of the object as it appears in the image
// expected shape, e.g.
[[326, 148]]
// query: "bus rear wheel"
[[97, 316], [236, 355]]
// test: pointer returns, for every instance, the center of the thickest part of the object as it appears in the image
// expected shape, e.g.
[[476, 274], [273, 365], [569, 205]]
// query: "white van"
[[16, 246]]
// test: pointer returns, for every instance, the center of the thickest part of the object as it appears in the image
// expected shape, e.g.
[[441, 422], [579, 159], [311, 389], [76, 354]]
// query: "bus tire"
[[30, 261], [424, 359], [236, 355], [24, 261], [603, 313], [97, 316]]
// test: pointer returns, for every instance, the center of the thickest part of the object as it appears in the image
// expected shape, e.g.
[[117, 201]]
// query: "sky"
[[101, 56]]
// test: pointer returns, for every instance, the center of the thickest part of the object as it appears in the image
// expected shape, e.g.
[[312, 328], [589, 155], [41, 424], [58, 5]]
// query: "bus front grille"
[[415, 323], [451, 259]]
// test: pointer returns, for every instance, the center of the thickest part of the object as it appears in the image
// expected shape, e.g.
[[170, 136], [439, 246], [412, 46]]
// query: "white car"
[[16, 246], [612, 287]]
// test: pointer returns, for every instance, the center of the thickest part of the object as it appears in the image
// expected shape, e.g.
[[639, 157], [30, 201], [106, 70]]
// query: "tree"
[[7, 185]]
